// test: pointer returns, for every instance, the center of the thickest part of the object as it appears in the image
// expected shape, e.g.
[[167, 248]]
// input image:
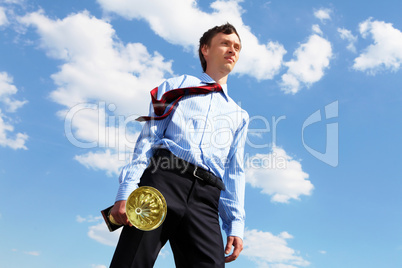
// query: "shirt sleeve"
[[231, 203], [150, 136]]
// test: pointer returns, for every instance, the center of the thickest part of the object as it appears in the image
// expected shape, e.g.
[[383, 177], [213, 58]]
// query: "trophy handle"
[[112, 220]]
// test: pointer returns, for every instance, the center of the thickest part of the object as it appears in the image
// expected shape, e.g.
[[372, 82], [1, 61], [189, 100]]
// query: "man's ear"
[[204, 50]]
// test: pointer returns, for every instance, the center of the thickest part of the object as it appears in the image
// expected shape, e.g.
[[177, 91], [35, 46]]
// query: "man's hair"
[[206, 38]]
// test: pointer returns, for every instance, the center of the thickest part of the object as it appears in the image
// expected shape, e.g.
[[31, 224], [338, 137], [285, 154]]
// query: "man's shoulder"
[[244, 114], [181, 81]]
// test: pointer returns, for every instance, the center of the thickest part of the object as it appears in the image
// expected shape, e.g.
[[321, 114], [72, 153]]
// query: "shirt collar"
[[208, 80]]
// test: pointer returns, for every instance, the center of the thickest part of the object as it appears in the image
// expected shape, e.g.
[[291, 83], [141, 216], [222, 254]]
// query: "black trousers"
[[191, 225]]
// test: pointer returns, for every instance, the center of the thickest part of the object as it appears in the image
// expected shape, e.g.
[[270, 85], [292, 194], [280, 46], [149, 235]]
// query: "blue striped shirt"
[[207, 130]]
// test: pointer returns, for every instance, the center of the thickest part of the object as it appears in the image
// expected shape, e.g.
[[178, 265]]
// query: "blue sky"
[[321, 82]]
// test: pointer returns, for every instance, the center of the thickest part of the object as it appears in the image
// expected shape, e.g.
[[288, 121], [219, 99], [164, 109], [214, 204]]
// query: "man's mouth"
[[229, 59]]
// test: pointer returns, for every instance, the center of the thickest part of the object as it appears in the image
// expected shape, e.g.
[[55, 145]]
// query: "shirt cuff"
[[236, 229], [125, 190]]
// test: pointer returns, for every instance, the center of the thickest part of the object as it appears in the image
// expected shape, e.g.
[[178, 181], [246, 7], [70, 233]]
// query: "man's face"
[[223, 53]]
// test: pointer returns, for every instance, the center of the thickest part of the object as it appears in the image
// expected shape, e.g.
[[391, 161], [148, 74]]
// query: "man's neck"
[[219, 78]]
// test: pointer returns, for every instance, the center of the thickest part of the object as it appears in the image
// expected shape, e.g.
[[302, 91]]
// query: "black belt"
[[186, 167]]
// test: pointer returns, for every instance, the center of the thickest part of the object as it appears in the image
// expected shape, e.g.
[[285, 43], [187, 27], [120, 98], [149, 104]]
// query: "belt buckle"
[[195, 175]]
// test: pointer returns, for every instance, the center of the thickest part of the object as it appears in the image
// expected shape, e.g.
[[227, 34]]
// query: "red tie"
[[174, 96]]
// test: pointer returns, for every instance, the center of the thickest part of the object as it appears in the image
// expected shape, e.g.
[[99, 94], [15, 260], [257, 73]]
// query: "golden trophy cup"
[[146, 210]]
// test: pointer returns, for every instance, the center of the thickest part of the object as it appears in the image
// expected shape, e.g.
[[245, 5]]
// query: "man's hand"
[[119, 212], [237, 243]]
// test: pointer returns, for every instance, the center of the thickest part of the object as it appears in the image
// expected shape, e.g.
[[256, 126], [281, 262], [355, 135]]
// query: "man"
[[206, 131]]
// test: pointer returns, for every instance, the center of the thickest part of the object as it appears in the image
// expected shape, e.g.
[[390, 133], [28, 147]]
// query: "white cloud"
[[14, 1], [163, 252], [32, 253], [316, 29], [259, 60], [323, 14], [312, 58], [97, 65], [385, 53], [101, 234], [102, 84], [348, 36], [254, 134], [103, 160], [268, 250], [278, 175], [89, 218], [7, 89], [182, 23], [89, 126], [98, 266], [3, 17]]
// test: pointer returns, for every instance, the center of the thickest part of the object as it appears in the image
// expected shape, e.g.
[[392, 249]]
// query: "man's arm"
[[151, 134], [231, 203], [131, 173]]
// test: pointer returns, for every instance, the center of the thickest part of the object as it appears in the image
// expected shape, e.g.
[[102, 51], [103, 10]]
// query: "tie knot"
[[217, 87]]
